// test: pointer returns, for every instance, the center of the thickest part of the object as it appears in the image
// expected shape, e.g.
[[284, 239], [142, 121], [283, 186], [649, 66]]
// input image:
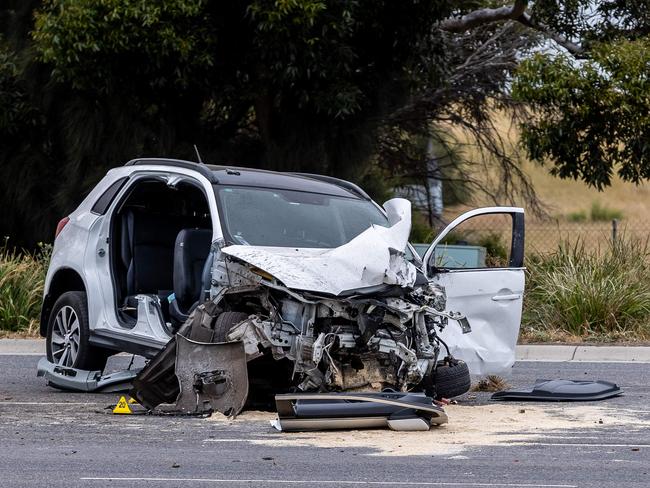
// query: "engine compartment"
[[384, 340]]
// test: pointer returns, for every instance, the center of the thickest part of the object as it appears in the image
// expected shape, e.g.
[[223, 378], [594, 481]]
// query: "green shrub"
[[580, 216], [590, 293], [22, 276], [601, 213], [496, 252], [597, 213], [421, 231]]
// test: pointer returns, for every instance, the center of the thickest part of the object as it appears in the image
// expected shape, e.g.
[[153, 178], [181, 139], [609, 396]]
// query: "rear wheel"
[[68, 334]]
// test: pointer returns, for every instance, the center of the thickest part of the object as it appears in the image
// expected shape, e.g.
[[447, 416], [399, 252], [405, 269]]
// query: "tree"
[[341, 88], [589, 118], [305, 85]]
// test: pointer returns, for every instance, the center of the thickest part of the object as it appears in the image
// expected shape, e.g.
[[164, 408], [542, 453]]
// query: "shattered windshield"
[[287, 218]]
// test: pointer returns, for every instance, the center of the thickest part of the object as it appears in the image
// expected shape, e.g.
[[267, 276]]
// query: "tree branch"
[[517, 12], [484, 16], [575, 49]]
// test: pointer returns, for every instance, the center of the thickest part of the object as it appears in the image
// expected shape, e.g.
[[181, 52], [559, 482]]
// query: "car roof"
[[241, 176]]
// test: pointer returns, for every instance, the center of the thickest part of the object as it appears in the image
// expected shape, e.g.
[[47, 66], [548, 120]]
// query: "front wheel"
[[451, 378], [226, 321], [68, 334]]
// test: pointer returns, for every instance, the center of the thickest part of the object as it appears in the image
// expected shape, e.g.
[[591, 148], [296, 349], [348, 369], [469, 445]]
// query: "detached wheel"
[[68, 333], [226, 321], [451, 378]]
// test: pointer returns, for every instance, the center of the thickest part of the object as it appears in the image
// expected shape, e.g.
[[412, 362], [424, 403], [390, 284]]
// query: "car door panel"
[[489, 348], [490, 298]]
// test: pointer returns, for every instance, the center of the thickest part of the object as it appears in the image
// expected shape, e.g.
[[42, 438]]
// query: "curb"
[[590, 354], [22, 347]]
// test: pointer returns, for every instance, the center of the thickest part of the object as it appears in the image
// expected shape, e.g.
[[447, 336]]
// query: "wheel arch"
[[65, 279]]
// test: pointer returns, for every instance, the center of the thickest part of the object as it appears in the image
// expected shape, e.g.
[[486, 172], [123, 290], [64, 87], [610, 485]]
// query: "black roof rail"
[[177, 163], [336, 181]]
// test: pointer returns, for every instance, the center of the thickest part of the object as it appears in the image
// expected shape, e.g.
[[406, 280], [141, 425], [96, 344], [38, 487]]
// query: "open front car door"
[[479, 259]]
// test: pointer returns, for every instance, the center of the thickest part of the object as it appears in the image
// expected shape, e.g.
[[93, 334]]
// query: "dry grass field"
[[573, 209]]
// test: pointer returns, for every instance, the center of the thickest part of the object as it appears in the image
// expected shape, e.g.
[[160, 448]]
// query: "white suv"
[[324, 274]]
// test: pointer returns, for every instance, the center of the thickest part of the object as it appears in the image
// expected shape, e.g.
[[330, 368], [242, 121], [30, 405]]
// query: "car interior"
[[162, 233]]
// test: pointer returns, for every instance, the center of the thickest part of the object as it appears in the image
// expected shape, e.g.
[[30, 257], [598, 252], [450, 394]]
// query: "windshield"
[[287, 218]]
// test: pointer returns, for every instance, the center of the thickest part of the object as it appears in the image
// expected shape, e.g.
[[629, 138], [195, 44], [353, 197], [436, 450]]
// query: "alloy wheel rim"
[[65, 337]]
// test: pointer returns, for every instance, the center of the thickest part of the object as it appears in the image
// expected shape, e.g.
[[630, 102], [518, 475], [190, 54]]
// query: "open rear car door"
[[479, 259]]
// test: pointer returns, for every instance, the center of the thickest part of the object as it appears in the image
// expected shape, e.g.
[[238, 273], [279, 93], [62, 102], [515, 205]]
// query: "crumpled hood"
[[374, 257]]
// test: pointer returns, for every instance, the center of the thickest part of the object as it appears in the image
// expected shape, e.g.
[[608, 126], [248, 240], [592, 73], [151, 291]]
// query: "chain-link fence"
[[546, 236], [542, 237]]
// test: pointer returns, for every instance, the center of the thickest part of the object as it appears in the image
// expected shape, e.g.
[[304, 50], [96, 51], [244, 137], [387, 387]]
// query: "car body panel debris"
[[80, 380], [212, 377], [562, 391], [397, 411], [194, 375]]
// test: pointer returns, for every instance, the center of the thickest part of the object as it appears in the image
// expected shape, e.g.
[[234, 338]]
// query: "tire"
[[225, 321], [68, 333], [266, 376], [451, 378]]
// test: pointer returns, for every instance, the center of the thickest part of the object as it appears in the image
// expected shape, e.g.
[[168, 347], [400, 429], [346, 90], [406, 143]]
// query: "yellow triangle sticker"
[[122, 406]]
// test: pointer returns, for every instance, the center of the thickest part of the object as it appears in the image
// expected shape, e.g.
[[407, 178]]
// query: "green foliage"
[[421, 231], [94, 44], [602, 213], [304, 85], [579, 216], [594, 21], [316, 37], [590, 118], [495, 250], [589, 293], [597, 213], [21, 288], [287, 85], [15, 111]]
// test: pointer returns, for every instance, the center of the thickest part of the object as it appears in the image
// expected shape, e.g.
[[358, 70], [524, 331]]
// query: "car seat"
[[192, 266]]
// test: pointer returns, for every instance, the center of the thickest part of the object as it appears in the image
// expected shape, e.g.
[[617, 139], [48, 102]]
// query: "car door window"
[[483, 241], [104, 201]]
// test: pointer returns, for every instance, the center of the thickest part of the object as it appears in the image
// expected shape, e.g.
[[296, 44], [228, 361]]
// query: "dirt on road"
[[468, 427]]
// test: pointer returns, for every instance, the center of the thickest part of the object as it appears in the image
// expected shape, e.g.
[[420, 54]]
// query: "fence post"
[[614, 230]]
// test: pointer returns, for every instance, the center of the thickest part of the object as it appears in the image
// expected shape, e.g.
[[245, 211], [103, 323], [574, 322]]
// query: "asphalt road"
[[53, 438]]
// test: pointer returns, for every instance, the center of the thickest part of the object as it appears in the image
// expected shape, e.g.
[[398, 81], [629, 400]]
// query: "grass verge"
[[22, 276], [583, 294]]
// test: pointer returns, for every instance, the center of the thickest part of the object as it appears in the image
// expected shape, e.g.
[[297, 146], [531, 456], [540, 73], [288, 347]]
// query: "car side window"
[[482, 241], [104, 201]]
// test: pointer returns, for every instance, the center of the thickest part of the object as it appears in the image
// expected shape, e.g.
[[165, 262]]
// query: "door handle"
[[503, 298]]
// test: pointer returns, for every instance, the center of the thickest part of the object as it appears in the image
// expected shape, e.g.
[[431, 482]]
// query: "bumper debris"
[[397, 411], [73, 379]]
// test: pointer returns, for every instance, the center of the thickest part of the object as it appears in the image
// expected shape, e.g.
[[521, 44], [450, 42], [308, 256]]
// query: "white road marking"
[[10, 353], [577, 444], [51, 403], [338, 482], [230, 440]]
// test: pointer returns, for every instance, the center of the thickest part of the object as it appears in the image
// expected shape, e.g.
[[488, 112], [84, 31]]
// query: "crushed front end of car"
[[359, 317]]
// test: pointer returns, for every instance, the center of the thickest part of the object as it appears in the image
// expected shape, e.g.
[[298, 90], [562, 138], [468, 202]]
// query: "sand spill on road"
[[468, 427]]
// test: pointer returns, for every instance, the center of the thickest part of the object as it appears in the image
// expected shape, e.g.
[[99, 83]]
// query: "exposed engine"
[[387, 339]]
